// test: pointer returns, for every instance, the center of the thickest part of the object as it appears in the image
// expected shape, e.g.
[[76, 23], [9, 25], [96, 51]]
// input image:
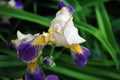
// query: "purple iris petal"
[[36, 75], [11, 46], [80, 59], [86, 52], [47, 61], [70, 8], [18, 5], [27, 52], [52, 77], [61, 4]]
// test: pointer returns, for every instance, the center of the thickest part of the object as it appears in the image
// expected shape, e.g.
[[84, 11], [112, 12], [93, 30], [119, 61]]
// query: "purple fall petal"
[[37, 75], [18, 5], [27, 52], [86, 52], [80, 59], [52, 77]]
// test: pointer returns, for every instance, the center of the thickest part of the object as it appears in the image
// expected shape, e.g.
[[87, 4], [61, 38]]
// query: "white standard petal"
[[71, 33], [59, 21], [58, 39], [63, 14], [21, 35], [62, 30], [21, 38]]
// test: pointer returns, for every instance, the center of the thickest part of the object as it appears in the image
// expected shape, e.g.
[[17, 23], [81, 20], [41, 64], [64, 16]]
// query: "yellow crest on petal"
[[39, 40], [76, 48]]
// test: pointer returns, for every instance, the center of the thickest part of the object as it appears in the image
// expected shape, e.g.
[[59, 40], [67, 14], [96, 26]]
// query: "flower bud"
[[48, 61]]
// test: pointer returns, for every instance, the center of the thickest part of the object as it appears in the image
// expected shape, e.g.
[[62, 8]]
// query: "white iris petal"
[[62, 30], [21, 38], [71, 33]]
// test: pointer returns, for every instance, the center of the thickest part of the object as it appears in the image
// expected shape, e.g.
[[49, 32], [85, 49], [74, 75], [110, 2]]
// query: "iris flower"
[[26, 51], [29, 53], [62, 32]]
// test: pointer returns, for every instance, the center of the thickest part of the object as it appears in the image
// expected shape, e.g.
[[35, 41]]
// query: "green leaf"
[[100, 72], [4, 78], [103, 73], [89, 3], [11, 63], [3, 39], [71, 73], [105, 25], [116, 25], [12, 72], [20, 14], [7, 58], [8, 52]]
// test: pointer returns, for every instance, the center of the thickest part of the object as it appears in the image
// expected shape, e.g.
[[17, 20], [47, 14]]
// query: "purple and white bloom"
[[23, 44], [52, 77], [62, 30], [80, 57]]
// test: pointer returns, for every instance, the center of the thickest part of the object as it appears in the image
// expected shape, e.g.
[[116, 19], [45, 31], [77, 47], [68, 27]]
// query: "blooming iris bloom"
[[26, 51], [29, 52], [62, 32]]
